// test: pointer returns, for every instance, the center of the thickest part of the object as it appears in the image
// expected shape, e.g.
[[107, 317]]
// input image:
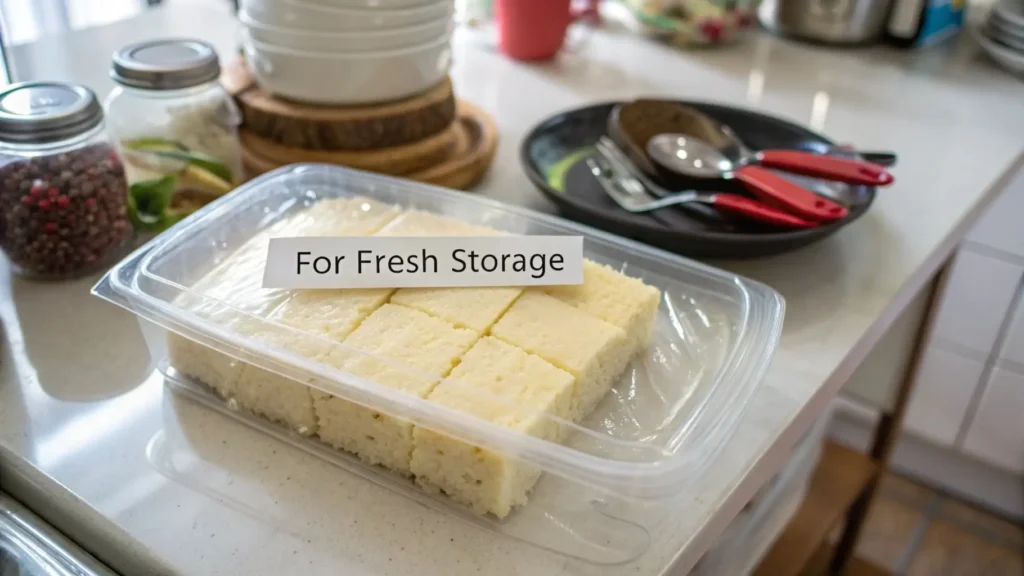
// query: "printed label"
[[409, 262]]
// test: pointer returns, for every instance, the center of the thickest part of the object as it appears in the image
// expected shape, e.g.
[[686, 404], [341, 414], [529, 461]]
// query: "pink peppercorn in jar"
[[63, 193]]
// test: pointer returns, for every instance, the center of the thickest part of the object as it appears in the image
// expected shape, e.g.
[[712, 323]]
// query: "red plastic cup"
[[536, 29]]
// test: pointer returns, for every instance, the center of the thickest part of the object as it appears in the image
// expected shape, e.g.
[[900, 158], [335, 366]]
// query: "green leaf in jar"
[[140, 220], [154, 144], [178, 151], [148, 201], [203, 161], [196, 177]]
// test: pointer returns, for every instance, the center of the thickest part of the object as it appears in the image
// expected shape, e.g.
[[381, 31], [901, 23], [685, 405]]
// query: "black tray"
[[552, 154]]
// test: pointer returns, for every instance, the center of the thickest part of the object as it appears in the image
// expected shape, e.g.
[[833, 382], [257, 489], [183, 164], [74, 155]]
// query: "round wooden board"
[[469, 159], [369, 127], [396, 161], [465, 170]]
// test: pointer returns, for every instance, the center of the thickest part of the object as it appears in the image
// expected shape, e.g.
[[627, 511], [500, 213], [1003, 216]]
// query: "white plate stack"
[[346, 52], [1002, 34]]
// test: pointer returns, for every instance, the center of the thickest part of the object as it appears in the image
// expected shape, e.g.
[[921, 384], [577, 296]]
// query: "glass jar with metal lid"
[[176, 128], [63, 194]]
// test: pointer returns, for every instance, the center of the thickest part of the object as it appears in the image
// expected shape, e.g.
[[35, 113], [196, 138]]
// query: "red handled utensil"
[[848, 170], [866, 168], [633, 197], [697, 159]]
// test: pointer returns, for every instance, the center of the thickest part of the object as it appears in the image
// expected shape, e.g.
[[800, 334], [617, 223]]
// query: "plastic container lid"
[[659, 428], [168, 64], [38, 112]]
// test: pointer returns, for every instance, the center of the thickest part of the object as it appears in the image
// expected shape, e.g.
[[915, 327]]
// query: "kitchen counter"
[[154, 484]]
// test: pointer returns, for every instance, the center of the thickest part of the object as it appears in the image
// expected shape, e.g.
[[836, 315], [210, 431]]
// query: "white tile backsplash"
[[957, 403], [942, 394], [1013, 346], [1000, 227], [996, 432], [976, 299]]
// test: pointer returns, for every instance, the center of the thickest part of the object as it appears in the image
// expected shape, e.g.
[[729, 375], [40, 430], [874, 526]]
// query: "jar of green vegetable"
[[176, 129]]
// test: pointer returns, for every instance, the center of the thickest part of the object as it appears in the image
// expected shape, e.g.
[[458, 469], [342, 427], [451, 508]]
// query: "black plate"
[[553, 152]]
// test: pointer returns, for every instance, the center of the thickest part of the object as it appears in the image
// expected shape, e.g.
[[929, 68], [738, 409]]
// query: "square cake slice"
[[235, 285], [276, 397], [504, 385], [234, 302], [232, 296], [238, 280], [615, 298], [405, 349], [330, 313], [355, 216], [473, 308], [215, 369], [321, 316], [592, 350], [420, 223]]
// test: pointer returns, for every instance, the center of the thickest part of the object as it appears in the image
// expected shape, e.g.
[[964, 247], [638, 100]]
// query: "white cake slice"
[[592, 350], [333, 314], [504, 385], [420, 223], [615, 298], [277, 397], [403, 349], [232, 297], [473, 308]]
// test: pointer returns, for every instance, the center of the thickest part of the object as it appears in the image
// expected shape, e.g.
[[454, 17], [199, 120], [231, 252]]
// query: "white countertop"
[[155, 484]]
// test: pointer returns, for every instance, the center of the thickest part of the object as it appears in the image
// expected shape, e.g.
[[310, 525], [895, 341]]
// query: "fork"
[[631, 195]]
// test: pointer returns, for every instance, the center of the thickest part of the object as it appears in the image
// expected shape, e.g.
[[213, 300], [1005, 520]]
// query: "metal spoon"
[[697, 159], [838, 169], [709, 129], [881, 158]]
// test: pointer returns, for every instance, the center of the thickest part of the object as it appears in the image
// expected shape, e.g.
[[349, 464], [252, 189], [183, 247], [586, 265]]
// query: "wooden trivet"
[[470, 158], [465, 170], [396, 160], [366, 127]]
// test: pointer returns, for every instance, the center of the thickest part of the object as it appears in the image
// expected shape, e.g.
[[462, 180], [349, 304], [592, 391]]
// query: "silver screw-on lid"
[[168, 64], [37, 112]]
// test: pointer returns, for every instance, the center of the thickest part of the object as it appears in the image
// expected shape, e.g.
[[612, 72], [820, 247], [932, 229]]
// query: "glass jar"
[[63, 194], [176, 129]]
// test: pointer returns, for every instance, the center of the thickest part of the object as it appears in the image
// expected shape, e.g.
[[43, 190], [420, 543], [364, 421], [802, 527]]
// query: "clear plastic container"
[[751, 534], [604, 490]]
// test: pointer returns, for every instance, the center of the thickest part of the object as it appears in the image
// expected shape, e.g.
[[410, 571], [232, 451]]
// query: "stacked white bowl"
[[346, 52]]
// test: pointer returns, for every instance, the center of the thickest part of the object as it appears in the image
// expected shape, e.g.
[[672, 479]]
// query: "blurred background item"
[[829, 21], [920, 23], [28, 20], [687, 23], [1001, 35], [905, 23], [539, 29]]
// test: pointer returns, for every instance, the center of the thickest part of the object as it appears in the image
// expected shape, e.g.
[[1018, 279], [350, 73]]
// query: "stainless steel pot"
[[829, 21]]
